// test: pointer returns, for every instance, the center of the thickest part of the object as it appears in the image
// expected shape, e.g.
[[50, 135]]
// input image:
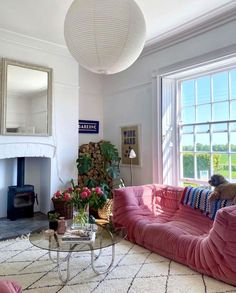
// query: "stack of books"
[[78, 236]]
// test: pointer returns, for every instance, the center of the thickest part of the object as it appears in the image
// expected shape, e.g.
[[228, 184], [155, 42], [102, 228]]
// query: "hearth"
[[21, 197]]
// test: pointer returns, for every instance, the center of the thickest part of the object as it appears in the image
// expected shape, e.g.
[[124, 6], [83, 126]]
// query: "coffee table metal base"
[[59, 261]]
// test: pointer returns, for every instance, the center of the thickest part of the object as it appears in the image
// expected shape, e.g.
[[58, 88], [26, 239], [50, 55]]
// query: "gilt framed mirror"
[[26, 99]]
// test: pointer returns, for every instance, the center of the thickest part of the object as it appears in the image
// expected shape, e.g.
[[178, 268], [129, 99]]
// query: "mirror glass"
[[26, 99]]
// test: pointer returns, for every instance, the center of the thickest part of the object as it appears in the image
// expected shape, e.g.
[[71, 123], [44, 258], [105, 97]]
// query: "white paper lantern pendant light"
[[105, 36]]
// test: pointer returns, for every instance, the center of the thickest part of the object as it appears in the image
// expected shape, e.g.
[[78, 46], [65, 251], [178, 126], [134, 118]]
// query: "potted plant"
[[61, 201], [53, 217]]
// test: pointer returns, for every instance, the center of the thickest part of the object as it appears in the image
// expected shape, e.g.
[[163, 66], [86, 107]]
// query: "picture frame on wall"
[[130, 139]]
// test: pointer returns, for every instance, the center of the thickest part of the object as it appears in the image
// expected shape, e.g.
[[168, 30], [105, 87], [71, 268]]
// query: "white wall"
[[90, 103], [128, 96], [58, 170]]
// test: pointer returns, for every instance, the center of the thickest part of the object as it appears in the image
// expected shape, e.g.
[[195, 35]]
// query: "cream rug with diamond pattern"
[[135, 270]]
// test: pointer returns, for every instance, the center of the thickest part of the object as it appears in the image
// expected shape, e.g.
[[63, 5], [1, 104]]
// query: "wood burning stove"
[[21, 198]]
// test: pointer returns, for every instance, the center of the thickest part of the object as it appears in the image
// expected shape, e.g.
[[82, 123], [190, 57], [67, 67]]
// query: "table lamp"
[[132, 155]]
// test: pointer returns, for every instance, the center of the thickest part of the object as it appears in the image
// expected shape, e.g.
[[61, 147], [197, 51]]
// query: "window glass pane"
[[221, 164], [203, 90], [187, 142], [233, 166], [188, 115], [220, 142], [219, 127], [202, 142], [220, 86], [188, 165], [187, 129], [220, 111], [233, 83], [203, 166], [233, 110], [187, 93], [233, 141], [202, 128], [232, 126], [203, 113], [204, 100]]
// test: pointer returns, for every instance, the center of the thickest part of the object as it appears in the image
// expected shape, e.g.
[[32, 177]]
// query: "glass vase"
[[80, 217]]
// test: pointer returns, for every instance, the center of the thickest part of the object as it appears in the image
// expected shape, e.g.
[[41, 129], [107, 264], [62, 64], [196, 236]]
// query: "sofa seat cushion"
[[173, 236], [136, 219], [192, 222]]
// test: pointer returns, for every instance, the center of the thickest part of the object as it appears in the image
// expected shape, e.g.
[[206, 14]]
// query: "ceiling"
[[44, 19]]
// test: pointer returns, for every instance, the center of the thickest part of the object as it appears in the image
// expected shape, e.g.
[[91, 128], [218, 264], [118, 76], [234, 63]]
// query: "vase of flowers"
[[82, 199], [75, 202], [80, 216]]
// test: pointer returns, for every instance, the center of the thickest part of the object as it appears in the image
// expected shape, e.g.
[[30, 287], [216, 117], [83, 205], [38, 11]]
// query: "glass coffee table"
[[105, 236]]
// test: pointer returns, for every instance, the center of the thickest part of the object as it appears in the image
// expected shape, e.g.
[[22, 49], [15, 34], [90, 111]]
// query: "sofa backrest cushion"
[[198, 198]]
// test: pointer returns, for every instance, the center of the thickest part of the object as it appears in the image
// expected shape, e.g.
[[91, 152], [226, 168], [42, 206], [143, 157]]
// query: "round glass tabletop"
[[104, 236]]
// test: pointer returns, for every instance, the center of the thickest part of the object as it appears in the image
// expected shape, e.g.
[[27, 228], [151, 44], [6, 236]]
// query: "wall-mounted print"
[[88, 126], [130, 136]]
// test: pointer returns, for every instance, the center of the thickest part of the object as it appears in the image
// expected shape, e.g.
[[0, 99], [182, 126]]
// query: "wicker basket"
[[63, 208], [106, 211]]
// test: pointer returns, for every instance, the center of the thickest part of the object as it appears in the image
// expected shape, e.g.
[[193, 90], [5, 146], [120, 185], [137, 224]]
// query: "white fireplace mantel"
[[23, 149]]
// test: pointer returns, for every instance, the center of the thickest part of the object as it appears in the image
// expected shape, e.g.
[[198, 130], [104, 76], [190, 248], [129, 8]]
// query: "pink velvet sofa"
[[156, 220], [9, 286]]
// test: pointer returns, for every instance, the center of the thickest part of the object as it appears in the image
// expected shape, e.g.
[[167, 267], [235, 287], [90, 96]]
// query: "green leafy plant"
[[53, 216], [101, 173], [84, 163]]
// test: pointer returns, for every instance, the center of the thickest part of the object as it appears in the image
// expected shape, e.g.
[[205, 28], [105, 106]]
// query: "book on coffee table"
[[78, 236]]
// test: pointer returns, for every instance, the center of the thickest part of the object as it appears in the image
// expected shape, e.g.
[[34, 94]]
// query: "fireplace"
[[21, 198]]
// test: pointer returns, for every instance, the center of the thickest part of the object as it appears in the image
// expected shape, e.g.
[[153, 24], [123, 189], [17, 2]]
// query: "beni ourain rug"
[[135, 270]]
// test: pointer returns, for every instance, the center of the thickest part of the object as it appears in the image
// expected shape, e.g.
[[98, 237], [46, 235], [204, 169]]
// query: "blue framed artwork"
[[88, 126]]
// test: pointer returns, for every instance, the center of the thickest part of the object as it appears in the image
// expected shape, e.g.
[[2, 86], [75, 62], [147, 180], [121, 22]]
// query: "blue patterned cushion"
[[197, 198]]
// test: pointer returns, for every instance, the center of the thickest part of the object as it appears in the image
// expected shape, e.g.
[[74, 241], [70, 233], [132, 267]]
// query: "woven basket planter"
[[63, 208], [106, 211]]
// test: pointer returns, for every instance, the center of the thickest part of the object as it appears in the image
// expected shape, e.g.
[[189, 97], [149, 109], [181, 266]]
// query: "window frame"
[[181, 125]]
